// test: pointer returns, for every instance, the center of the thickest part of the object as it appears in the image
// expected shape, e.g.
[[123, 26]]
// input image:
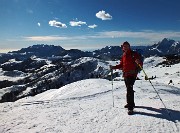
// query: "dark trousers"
[[129, 82]]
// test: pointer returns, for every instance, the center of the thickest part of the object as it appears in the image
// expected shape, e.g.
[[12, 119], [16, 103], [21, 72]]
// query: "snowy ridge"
[[86, 106], [76, 90]]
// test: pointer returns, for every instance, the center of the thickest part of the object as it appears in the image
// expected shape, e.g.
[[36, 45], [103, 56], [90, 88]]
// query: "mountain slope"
[[162, 48], [46, 74], [38, 68], [86, 107]]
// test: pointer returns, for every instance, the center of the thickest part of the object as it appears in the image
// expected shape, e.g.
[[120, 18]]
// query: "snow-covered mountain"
[[38, 68], [164, 47], [43, 51], [44, 74], [86, 106]]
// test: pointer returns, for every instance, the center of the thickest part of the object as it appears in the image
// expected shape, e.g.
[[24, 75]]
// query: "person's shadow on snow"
[[170, 115]]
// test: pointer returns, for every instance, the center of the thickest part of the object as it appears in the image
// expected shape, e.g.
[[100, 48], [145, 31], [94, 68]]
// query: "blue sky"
[[87, 24]]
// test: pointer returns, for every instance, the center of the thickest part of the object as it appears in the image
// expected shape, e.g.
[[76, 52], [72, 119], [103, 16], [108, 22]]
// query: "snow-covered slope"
[[86, 106], [48, 75]]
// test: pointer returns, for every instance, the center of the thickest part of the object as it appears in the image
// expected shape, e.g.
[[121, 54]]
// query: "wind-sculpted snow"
[[78, 90]]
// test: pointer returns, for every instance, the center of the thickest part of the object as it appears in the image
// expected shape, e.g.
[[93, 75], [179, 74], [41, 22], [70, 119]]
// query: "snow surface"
[[86, 106]]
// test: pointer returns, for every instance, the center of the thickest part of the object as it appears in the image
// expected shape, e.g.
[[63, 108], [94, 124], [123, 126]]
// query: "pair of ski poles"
[[150, 83]]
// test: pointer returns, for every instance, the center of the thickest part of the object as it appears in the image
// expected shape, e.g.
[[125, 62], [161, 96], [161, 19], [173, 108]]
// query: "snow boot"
[[126, 106], [130, 112]]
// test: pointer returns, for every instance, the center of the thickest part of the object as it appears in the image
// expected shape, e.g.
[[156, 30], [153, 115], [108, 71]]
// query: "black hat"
[[125, 43]]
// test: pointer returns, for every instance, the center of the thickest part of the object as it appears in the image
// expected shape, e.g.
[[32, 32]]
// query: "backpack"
[[140, 53]]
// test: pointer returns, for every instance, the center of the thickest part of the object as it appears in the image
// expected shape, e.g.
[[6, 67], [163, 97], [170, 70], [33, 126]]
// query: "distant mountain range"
[[35, 69], [162, 48]]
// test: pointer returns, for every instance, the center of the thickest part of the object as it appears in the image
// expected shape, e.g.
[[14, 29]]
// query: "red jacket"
[[128, 65]]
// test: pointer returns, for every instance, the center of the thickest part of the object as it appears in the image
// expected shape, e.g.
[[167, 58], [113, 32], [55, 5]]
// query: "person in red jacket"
[[128, 64]]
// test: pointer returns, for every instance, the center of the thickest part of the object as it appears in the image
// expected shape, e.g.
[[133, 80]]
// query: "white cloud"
[[39, 24], [148, 36], [57, 24], [56, 38], [45, 38], [103, 15], [92, 26], [76, 23]]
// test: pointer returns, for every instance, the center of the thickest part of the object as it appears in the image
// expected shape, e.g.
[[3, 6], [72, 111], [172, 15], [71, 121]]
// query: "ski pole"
[[112, 85], [154, 89]]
